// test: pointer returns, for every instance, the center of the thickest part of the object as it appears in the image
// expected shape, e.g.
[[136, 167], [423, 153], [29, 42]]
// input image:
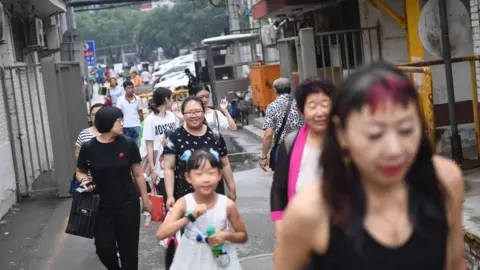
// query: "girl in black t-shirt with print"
[[193, 135]]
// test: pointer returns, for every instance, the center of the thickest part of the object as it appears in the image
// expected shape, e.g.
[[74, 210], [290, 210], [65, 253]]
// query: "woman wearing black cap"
[[112, 159]]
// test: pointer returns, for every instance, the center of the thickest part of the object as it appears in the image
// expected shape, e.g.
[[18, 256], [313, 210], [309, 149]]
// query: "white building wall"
[[25, 108], [394, 50], [7, 180]]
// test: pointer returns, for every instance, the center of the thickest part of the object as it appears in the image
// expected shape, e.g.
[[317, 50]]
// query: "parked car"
[[180, 80]]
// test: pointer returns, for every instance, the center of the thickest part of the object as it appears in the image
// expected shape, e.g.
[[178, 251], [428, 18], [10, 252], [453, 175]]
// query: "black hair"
[[197, 88], [342, 186], [187, 70], [158, 98], [96, 105], [106, 117], [310, 86], [128, 83], [190, 99], [201, 156]]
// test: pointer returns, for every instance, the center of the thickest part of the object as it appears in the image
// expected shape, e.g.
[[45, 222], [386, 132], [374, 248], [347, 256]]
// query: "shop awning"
[[272, 8]]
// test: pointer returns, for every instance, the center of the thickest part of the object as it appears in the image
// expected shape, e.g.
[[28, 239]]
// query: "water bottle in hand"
[[147, 219], [220, 254]]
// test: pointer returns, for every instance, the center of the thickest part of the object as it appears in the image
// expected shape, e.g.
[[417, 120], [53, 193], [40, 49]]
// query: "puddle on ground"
[[240, 160]]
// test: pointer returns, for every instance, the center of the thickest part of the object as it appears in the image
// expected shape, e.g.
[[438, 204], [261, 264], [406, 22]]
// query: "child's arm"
[[239, 235], [174, 221]]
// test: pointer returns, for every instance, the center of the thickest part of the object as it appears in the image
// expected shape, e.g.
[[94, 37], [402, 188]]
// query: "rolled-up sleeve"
[[279, 190]]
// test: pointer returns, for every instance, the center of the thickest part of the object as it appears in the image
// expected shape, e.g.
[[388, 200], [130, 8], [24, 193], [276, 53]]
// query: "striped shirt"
[[84, 136]]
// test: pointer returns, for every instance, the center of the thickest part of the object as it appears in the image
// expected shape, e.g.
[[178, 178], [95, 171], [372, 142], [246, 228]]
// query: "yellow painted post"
[[414, 45], [427, 105], [476, 120]]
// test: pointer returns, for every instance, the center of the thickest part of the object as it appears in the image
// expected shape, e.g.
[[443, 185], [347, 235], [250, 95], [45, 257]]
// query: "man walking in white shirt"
[[145, 77], [132, 112]]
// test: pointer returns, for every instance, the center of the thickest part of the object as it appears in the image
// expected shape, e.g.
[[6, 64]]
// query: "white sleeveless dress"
[[192, 254]]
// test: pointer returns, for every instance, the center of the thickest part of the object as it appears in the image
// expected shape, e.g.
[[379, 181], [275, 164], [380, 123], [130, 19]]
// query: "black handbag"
[[274, 150], [83, 214]]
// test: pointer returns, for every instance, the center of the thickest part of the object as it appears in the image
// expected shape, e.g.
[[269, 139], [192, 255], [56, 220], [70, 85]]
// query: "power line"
[[84, 3], [106, 7]]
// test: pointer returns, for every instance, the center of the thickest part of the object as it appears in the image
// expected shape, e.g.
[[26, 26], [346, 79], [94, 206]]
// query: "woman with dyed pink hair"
[[384, 200], [300, 151]]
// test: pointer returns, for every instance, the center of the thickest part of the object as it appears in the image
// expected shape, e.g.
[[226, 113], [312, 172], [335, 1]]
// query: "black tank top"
[[423, 251]]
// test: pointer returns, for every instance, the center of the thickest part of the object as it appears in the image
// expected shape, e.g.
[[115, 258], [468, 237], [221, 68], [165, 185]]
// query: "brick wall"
[[26, 99], [474, 14]]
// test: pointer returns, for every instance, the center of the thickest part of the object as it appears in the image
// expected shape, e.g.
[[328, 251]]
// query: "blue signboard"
[[89, 52]]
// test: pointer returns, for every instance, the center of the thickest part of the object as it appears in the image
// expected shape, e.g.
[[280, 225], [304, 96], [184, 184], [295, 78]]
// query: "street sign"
[[89, 52]]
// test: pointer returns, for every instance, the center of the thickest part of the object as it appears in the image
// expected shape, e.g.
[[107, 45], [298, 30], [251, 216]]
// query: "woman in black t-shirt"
[[193, 135], [112, 159]]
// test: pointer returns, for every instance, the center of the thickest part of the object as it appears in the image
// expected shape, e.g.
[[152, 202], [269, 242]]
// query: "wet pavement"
[[32, 234]]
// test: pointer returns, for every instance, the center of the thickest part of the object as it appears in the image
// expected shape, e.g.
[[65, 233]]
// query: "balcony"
[[273, 8]]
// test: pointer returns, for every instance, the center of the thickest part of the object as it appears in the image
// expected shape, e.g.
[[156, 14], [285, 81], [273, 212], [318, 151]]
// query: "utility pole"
[[70, 30], [233, 16], [455, 140]]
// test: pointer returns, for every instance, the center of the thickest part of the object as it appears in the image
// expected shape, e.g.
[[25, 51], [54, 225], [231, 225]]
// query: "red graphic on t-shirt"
[[121, 154]]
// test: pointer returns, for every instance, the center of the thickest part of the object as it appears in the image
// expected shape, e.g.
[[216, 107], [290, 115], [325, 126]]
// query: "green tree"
[[179, 27], [111, 27], [172, 29]]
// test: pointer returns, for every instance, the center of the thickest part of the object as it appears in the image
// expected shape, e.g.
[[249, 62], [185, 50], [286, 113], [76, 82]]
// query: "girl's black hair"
[[342, 185], [190, 99], [310, 86], [96, 105], [197, 88], [200, 157], [105, 118], [158, 98]]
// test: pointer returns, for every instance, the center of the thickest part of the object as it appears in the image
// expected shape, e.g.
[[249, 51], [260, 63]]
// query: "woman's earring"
[[346, 158]]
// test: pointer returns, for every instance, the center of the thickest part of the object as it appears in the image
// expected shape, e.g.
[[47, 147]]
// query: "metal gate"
[[27, 124], [333, 55], [339, 53], [34, 99]]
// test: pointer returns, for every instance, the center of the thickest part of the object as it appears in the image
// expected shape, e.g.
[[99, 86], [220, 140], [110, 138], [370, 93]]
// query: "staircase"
[[256, 129]]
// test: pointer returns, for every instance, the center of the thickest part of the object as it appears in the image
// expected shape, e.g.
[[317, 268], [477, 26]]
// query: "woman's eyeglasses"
[[191, 113]]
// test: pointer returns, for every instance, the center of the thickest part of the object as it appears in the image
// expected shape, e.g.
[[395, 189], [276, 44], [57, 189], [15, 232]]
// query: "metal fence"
[[339, 53], [27, 124], [45, 110]]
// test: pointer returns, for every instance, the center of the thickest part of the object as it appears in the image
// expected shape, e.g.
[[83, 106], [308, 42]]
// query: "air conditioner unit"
[[269, 36], [35, 34]]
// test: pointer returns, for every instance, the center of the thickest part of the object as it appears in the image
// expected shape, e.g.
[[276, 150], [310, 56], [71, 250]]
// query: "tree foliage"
[[109, 28], [179, 27], [169, 28]]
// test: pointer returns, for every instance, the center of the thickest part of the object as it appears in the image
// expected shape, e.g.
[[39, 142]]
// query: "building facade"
[[25, 145]]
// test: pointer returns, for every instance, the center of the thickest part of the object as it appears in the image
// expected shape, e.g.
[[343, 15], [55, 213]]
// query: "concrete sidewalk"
[[259, 262]]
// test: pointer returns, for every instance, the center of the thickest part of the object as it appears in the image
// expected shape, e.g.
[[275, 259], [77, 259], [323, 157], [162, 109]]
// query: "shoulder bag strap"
[[284, 122]]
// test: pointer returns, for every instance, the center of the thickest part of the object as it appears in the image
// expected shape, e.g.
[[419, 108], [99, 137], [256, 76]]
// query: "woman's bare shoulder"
[[451, 177], [448, 172]]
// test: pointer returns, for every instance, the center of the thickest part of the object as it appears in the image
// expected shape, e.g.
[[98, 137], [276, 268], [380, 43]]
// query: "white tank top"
[[216, 217]]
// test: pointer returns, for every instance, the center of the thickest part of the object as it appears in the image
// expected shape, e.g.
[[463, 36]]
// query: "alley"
[[32, 235]]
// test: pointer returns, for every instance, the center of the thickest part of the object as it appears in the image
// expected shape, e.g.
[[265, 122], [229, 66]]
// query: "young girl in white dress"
[[196, 212]]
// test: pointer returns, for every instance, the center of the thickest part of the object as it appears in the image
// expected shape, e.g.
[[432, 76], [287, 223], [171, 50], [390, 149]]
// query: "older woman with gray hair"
[[281, 117]]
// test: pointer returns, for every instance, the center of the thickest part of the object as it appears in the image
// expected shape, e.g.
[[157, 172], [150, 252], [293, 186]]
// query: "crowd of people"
[[355, 186]]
